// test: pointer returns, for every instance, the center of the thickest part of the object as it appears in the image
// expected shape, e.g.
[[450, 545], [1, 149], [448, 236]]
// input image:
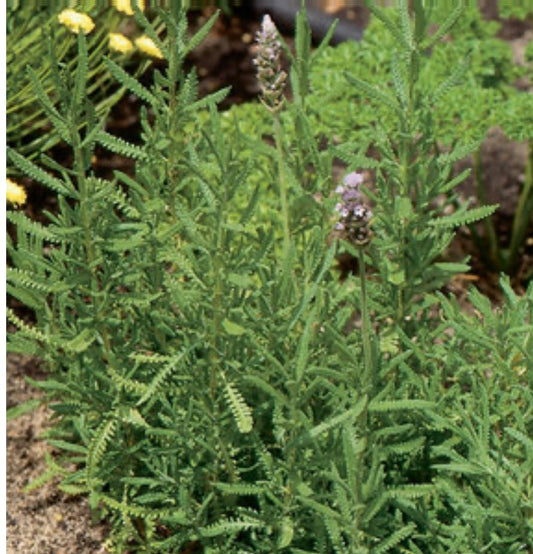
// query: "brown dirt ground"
[[46, 521], [43, 521]]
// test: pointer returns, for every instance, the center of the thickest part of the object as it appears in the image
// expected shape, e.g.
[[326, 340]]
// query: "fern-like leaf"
[[241, 489], [229, 527], [394, 539], [160, 378], [465, 217], [242, 414], [26, 329], [81, 342], [53, 470], [200, 35], [334, 533], [374, 93], [58, 121], [35, 172], [28, 280], [33, 228], [445, 26], [99, 443], [394, 405], [82, 70], [120, 146], [130, 82], [451, 81], [391, 26], [129, 385], [348, 415], [122, 202]]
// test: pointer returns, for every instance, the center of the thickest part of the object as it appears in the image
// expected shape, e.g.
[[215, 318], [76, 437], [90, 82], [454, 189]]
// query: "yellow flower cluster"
[[147, 45], [76, 21], [120, 43], [124, 6], [15, 193]]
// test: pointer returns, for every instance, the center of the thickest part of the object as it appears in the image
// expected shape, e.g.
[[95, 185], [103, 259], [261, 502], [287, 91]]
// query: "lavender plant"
[[215, 385], [483, 96]]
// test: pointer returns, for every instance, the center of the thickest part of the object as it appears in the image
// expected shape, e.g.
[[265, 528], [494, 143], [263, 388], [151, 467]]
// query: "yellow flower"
[[120, 43], [15, 193], [75, 21], [125, 6], [147, 45]]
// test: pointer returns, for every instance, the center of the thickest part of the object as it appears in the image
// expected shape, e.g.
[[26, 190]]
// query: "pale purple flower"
[[354, 215], [268, 63], [353, 180]]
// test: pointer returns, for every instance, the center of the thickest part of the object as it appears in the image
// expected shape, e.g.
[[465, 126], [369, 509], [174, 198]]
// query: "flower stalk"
[[355, 225], [272, 78]]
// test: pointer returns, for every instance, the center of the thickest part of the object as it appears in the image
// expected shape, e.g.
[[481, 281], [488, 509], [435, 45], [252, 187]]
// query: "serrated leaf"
[[393, 405], [465, 217], [374, 93], [242, 414], [81, 342], [35, 172], [120, 146], [132, 84], [228, 527]]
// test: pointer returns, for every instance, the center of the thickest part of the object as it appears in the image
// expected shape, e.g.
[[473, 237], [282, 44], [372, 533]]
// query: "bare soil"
[[46, 521]]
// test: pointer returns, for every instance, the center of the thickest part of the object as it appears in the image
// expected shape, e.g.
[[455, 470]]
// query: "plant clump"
[[215, 384]]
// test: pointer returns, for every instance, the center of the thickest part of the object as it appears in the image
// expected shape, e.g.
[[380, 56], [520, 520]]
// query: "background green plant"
[[36, 43], [480, 95], [210, 378]]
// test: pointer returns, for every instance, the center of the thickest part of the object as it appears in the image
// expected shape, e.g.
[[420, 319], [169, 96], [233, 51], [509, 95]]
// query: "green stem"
[[369, 373], [368, 384], [522, 215], [494, 250], [79, 167], [282, 186]]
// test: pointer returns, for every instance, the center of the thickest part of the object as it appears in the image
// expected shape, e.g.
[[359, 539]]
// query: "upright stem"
[[282, 186], [79, 167], [369, 373], [368, 384], [294, 387], [494, 250], [522, 217]]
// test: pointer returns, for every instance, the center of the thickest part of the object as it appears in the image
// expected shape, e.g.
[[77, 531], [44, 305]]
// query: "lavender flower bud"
[[354, 215], [267, 61]]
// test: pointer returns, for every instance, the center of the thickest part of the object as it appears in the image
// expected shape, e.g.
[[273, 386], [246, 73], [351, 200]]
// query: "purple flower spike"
[[268, 63], [354, 216]]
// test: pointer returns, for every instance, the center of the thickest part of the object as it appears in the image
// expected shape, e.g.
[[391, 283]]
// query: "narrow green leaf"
[[350, 414], [394, 405], [233, 328], [23, 408]]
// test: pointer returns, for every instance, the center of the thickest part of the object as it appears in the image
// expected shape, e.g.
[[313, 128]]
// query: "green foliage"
[[474, 72], [40, 50], [213, 380]]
